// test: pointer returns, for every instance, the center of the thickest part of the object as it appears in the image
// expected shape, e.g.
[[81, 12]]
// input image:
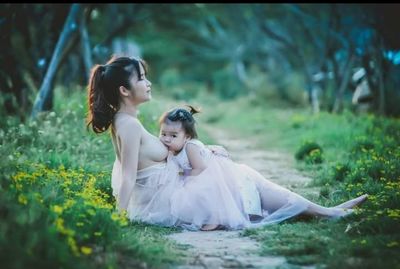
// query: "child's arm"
[[218, 150], [195, 159]]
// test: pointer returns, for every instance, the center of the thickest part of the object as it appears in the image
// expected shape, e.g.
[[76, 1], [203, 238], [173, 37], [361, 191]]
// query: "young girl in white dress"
[[216, 192]]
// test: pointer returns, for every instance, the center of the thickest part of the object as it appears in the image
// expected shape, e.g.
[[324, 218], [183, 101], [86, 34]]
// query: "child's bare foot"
[[354, 202], [209, 227]]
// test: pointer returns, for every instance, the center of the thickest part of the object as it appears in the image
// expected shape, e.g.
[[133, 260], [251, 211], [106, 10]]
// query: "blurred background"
[[326, 57], [320, 82]]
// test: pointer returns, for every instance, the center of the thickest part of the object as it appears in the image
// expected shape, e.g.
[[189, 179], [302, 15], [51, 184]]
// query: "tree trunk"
[[381, 84], [336, 76], [337, 106], [69, 31], [85, 45], [240, 72]]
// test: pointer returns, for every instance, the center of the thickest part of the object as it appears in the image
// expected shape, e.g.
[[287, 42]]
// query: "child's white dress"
[[221, 194]]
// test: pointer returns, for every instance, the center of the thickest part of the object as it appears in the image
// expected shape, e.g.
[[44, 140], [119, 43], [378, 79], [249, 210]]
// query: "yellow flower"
[[69, 203], [394, 213], [86, 250], [22, 199], [59, 222], [57, 209], [114, 216], [91, 212], [72, 244], [123, 222]]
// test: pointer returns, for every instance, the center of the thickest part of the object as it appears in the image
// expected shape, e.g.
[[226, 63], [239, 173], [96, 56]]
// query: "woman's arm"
[[129, 134], [195, 159]]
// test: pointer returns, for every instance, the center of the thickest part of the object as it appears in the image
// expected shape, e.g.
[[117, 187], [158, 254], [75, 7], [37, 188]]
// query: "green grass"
[[325, 242]]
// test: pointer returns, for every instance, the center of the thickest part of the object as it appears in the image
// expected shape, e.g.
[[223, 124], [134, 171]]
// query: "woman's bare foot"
[[209, 227], [354, 202], [342, 212]]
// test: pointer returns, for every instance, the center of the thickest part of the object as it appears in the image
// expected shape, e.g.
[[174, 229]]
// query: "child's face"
[[173, 136]]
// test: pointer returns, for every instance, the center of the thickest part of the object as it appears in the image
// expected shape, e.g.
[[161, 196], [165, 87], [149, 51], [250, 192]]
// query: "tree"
[[26, 40], [64, 44]]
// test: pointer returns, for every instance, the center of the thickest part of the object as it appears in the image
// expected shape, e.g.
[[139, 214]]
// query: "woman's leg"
[[285, 203], [353, 202]]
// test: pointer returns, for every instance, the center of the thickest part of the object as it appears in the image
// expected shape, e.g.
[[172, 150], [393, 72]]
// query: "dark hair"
[[184, 116], [103, 89]]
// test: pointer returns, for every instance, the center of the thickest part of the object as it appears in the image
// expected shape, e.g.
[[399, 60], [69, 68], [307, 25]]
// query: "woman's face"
[[141, 86]]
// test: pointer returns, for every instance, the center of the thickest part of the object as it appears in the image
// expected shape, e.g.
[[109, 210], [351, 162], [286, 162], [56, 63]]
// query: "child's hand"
[[184, 173], [219, 150]]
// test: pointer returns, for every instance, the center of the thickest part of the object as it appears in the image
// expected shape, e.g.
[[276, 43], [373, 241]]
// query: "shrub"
[[314, 157], [340, 172], [309, 151]]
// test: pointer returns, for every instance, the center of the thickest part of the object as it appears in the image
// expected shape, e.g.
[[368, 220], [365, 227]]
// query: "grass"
[[325, 243]]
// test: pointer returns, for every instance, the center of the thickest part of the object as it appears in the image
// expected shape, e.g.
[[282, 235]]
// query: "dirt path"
[[228, 249]]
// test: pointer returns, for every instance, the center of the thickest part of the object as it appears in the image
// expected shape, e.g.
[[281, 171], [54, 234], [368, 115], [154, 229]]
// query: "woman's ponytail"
[[101, 112]]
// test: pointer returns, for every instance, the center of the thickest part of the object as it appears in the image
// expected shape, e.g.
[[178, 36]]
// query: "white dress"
[[221, 194], [225, 193]]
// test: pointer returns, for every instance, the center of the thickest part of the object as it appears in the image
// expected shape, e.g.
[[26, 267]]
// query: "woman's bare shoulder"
[[126, 124]]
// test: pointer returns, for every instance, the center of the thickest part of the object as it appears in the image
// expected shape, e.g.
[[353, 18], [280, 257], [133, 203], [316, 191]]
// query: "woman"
[[143, 179], [140, 170]]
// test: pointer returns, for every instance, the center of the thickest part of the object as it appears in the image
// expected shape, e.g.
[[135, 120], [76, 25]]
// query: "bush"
[[309, 151], [314, 157], [340, 172]]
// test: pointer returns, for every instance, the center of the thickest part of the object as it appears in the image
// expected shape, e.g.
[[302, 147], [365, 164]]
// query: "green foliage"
[[373, 167], [225, 84], [309, 151], [173, 84], [314, 157], [340, 171]]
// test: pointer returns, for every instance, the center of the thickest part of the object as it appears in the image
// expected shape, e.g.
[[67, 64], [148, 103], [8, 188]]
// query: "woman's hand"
[[219, 150]]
